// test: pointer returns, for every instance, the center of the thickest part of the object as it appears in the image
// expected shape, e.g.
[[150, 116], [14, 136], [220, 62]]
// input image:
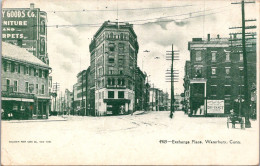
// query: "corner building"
[[113, 52]]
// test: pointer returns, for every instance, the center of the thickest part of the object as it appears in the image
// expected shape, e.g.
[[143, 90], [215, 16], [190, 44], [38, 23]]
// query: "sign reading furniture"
[[215, 106], [19, 24]]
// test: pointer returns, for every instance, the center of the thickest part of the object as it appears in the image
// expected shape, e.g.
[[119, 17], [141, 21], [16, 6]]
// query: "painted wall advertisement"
[[215, 106], [19, 24]]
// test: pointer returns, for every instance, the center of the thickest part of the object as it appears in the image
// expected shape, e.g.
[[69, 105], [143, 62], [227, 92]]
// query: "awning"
[[16, 99], [121, 101], [43, 97]]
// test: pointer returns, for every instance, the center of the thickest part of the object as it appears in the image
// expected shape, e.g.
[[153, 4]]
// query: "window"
[[121, 94], [111, 35], [26, 87], [121, 71], [213, 71], [123, 81], [110, 70], [111, 94], [16, 68], [113, 81], [103, 95], [42, 90], [227, 56], [109, 81], [15, 86], [37, 88], [12, 67], [213, 56], [227, 90], [121, 48], [241, 57], [99, 94], [198, 56], [119, 81], [121, 36], [111, 59], [7, 84], [42, 27], [26, 70], [213, 90], [40, 73], [227, 71], [198, 73], [111, 47]]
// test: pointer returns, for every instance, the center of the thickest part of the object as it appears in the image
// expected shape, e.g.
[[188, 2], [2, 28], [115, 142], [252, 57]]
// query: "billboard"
[[19, 24], [215, 106]]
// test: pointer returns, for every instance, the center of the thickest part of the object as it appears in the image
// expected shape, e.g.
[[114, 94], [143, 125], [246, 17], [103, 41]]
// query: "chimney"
[[208, 37], [31, 6], [218, 36]]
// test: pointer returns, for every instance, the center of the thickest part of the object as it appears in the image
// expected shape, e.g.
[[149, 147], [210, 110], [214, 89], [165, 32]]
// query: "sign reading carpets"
[[19, 24], [215, 106]]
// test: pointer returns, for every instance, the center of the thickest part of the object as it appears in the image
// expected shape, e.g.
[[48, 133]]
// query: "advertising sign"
[[215, 106], [19, 24]]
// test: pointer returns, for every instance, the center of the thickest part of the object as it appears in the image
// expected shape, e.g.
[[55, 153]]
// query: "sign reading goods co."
[[19, 24], [215, 106]]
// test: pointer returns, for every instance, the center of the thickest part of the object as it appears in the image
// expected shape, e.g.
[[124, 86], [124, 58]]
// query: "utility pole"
[[244, 27], [56, 87], [172, 78]]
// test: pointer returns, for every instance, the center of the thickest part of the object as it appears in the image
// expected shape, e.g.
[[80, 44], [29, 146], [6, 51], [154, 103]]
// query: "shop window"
[[111, 94], [121, 94]]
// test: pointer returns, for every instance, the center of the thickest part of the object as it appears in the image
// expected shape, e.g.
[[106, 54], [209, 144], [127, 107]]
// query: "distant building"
[[26, 28], [158, 99], [140, 90], [178, 102], [24, 83], [81, 106], [113, 56], [68, 101], [213, 77]]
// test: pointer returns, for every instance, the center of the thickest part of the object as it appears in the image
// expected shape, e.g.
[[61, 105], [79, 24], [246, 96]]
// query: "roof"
[[15, 53]]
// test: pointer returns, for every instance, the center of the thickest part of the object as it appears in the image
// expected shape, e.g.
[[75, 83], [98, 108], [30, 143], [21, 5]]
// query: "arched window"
[[42, 26], [111, 35], [121, 36]]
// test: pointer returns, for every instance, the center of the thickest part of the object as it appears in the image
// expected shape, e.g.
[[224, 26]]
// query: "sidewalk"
[[50, 119]]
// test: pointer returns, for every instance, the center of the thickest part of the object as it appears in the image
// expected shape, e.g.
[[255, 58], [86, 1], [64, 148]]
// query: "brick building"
[[213, 78], [24, 83], [113, 54], [140, 90], [26, 28]]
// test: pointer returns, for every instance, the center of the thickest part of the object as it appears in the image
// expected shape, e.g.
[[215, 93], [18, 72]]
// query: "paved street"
[[113, 139]]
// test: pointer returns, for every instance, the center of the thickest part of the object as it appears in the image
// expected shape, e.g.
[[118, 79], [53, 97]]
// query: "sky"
[[158, 25]]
